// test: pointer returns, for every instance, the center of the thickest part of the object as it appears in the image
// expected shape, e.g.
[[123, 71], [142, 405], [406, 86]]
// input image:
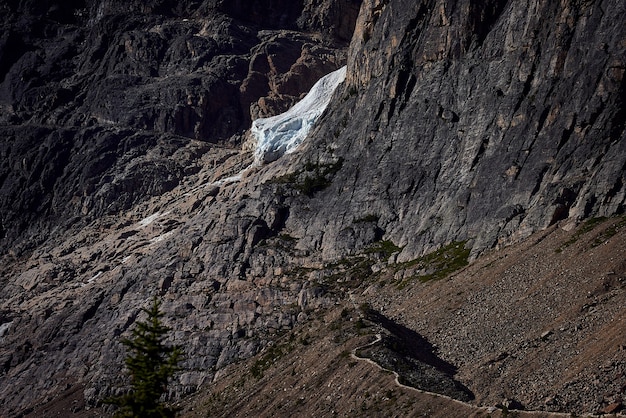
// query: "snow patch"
[[283, 133], [95, 276], [161, 237], [228, 180], [148, 220], [4, 328]]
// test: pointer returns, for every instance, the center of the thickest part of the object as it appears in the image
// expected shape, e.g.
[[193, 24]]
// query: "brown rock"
[[613, 408]]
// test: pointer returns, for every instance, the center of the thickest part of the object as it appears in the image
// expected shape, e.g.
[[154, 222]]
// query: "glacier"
[[281, 134]]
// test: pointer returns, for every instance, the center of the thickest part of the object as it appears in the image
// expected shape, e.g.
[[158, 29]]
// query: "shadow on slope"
[[413, 358]]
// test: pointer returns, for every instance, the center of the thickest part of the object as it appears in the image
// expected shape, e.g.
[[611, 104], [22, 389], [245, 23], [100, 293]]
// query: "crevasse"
[[281, 134]]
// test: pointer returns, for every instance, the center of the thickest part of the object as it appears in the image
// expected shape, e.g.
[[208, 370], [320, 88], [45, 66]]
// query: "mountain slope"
[[462, 127], [538, 325]]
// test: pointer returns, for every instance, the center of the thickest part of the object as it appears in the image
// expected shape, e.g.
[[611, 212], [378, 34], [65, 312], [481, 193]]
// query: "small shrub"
[[385, 248], [312, 178], [287, 237], [367, 218], [316, 177], [365, 308], [151, 364]]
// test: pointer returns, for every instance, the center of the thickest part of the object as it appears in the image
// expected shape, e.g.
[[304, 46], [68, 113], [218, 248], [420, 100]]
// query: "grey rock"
[[467, 130], [479, 123]]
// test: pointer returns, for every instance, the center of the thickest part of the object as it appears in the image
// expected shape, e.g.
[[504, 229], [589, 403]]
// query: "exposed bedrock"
[[464, 121], [88, 87]]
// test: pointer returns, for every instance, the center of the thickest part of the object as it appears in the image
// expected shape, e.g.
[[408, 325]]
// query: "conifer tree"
[[151, 364]]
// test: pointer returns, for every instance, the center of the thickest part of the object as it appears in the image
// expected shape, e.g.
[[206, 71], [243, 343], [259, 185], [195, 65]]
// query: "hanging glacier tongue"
[[282, 133]]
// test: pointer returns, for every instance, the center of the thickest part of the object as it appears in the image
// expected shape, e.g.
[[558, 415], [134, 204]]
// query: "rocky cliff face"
[[109, 108], [79, 80], [484, 122], [460, 121]]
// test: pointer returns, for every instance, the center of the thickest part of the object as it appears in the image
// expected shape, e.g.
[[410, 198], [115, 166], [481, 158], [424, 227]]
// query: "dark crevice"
[[599, 158], [596, 113], [90, 313], [481, 151], [421, 13], [563, 203], [589, 205], [392, 108], [617, 187], [129, 321], [381, 107], [542, 119], [282, 214], [566, 135], [526, 89], [619, 120], [484, 16], [408, 89], [401, 85], [540, 177], [515, 211], [412, 33]]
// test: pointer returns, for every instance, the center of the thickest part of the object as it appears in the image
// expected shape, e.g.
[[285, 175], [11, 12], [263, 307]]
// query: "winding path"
[[488, 409]]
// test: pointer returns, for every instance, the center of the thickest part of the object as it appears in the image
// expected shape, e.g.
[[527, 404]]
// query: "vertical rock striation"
[[475, 121]]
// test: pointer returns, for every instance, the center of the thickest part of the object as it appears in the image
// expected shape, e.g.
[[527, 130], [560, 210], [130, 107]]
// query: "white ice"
[[228, 180], [283, 133], [95, 276], [4, 328], [148, 220]]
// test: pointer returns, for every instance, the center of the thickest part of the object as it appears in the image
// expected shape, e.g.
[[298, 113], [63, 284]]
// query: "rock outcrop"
[[117, 119], [97, 85], [467, 121]]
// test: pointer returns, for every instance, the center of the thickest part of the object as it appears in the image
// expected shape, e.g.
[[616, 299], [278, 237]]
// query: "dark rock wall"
[[97, 73], [474, 121]]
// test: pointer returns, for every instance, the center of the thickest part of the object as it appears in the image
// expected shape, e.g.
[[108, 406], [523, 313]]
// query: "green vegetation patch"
[[438, 264], [349, 271], [589, 225], [273, 354], [367, 218], [312, 178], [352, 271], [609, 232], [383, 248]]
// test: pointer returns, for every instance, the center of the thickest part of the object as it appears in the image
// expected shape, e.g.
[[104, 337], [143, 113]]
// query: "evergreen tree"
[[150, 364]]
